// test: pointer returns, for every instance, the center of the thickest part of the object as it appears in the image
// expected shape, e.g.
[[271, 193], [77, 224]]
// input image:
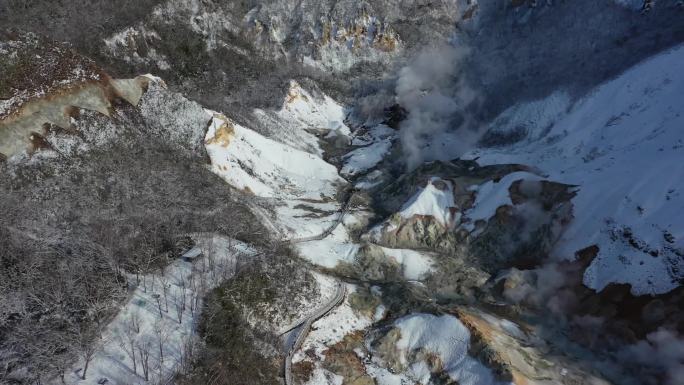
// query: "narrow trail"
[[340, 217], [337, 299]]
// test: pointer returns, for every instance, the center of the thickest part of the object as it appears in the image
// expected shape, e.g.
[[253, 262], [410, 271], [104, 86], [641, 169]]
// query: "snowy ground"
[[414, 265], [328, 331], [249, 161], [140, 326], [442, 336], [300, 116], [376, 143], [302, 188], [286, 168], [328, 252], [623, 145], [332, 328], [435, 200], [327, 287], [491, 195], [306, 218], [300, 184]]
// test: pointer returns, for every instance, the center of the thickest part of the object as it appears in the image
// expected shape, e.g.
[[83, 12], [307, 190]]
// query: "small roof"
[[192, 253]]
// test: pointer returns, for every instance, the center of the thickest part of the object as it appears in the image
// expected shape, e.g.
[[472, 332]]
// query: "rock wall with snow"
[[620, 145]]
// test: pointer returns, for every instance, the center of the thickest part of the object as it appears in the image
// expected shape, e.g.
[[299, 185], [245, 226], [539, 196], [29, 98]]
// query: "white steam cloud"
[[661, 354], [437, 100]]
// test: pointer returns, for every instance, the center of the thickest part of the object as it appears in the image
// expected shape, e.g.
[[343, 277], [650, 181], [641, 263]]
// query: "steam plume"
[[430, 88]]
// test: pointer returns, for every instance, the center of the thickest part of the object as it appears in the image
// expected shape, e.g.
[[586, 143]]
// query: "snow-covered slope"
[[414, 265], [493, 194], [376, 143], [301, 117], [442, 342], [435, 200], [623, 145], [330, 251], [161, 326], [285, 164], [364, 158], [303, 108], [249, 161]]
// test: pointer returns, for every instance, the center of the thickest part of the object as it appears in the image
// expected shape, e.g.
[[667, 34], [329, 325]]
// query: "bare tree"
[[193, 300], [203, 284], [148, 259], [187, 352], [134, 322], [157, 298], [46, 281], [209, 252], [180, 306], [45, 348], [180, 297], [162, 336], [144, 347], [85, 338], [98, 303], [128, 342], [164, 282], [60, 366], [180, 282], [192, 281]]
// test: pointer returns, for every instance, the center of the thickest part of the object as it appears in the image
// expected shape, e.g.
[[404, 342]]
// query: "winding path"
[[340, 293], [340, 217], [337, 299]]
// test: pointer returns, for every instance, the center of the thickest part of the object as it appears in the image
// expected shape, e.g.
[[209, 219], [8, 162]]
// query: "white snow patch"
[[328, 252], [384, 377], [376, 134], [369, 181], [246, 159], [301, 119], [352, 218], [327, 286], [414, 265], [432, 201], [380, 313], [446, 337], [155, 79], [492, 195], [296, 220], [321, 113], [363, 159]]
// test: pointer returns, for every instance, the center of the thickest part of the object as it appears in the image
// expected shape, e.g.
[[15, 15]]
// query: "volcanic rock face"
[[64, 83], [518, 354], [500, 219], [336, 35]]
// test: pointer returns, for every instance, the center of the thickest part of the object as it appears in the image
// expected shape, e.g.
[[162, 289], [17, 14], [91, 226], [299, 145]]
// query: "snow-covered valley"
[[342, 193]]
